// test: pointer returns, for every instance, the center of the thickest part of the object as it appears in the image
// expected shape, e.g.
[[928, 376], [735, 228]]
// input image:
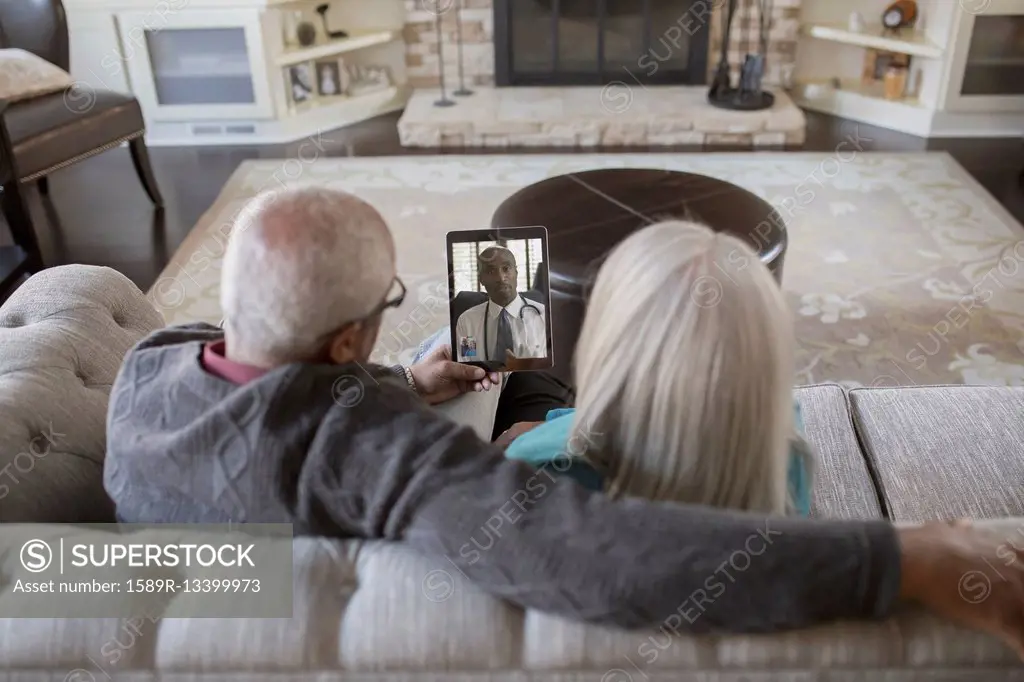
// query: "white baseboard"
[[282, 131]]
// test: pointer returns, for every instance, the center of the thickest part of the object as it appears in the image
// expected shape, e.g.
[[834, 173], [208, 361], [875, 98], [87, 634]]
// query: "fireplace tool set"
[[750, 94]]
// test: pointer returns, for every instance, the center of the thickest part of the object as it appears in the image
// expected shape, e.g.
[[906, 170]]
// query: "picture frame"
[[367, 78], [329, 81], [877, 63], [300, 83]]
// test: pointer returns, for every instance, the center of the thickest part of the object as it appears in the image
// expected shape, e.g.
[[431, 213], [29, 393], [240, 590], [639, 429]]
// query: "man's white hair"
[[300, 264], [684, 369]]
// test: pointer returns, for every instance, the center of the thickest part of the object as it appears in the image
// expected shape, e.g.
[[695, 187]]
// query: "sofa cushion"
[[843, 487], [945, 452], [63, 334]]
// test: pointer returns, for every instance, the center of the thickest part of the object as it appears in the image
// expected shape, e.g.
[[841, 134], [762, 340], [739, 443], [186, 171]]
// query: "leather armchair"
[[41, 135]]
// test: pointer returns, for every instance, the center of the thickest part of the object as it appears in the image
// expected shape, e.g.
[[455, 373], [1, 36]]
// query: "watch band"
[[405, 374], [409, 377]]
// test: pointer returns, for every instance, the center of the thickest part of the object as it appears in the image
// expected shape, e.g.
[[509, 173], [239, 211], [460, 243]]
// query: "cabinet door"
[[987, 69], [96, 58], [197, 65]]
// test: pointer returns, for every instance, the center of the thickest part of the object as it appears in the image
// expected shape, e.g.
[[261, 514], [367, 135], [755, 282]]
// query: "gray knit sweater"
[[185, 446]]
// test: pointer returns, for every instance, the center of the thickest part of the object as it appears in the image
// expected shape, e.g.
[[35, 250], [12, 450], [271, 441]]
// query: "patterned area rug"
[[901, 269]]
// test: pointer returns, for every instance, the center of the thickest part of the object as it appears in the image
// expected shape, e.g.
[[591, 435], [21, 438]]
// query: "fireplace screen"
[[596, 42]]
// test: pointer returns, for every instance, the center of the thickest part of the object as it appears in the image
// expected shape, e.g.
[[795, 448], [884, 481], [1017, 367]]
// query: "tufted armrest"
[[63, 335]]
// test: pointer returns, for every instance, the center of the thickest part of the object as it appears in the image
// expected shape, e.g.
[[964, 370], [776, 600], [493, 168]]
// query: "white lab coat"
[[529, 332]]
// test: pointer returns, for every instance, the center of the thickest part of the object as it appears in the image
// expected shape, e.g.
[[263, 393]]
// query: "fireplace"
[[597, 42]]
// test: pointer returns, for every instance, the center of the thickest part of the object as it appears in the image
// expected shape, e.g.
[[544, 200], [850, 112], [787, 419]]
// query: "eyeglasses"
[[394, 298]]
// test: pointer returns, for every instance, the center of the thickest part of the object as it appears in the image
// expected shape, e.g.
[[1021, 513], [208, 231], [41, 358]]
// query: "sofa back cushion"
[[63, 335]]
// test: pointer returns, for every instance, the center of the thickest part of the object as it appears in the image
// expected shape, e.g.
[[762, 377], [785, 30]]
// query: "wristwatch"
[[405, 373]]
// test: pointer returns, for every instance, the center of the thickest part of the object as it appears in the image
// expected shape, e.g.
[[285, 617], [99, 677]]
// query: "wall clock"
[[900, 14]]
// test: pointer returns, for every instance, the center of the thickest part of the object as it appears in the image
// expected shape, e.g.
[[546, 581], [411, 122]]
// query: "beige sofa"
[[373, 611]]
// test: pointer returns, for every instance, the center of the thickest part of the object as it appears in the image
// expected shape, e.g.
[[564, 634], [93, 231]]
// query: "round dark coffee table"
[[588, 213]]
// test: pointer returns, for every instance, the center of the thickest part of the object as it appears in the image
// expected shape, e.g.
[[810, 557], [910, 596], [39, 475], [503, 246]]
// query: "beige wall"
[[478, 40]]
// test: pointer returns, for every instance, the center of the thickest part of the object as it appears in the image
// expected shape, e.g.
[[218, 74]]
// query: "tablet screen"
[[500, 310]]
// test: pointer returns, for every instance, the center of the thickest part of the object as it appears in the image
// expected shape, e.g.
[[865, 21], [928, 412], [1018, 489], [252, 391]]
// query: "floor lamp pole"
[[444, 101], [463, 91]]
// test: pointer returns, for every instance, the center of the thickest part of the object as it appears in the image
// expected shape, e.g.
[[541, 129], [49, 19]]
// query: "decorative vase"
[[856, 24], [290, 27], [306, 33], [786, 72], [895, 82], [322, 10]]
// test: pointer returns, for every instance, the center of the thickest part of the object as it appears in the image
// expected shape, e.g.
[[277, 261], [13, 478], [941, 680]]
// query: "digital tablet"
[[499, 300]]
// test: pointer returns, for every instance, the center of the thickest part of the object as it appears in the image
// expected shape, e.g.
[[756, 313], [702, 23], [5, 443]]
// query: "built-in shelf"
[[335, 47], [875, 37], [341, 103], [852, 88], [863, 102]]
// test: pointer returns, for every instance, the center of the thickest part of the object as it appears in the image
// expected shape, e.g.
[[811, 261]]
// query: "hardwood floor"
[[99, 214]]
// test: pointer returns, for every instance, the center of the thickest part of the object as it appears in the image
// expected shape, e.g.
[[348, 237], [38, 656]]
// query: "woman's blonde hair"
[[684, 372]]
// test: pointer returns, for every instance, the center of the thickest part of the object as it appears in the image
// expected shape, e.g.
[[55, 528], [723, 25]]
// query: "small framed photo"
[[877, 63], [367, 78], [300, 81], [328, 79]]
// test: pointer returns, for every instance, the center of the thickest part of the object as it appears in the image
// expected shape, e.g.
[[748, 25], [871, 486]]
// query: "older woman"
[[684, 372]]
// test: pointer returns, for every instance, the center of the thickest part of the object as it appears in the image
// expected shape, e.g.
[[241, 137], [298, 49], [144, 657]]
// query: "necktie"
[[504, 341]]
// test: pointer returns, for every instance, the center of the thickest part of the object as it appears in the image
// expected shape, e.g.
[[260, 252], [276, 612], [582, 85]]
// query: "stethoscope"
[[522, 312]]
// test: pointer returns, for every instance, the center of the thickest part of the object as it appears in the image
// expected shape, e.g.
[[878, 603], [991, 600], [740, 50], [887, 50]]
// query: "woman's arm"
[[802, 468]]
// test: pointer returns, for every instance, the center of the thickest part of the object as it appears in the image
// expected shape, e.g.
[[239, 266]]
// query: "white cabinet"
[[987, 67], [204, 64], [217, 71]]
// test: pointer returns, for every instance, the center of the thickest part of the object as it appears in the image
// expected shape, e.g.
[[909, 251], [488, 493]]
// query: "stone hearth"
[[592, 116]]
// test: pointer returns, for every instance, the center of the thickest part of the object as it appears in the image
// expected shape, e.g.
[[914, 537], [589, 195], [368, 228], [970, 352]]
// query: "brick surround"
[[421, 54]]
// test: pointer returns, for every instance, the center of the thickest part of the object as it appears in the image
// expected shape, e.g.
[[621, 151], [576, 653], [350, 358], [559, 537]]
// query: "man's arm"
[[391, 468]]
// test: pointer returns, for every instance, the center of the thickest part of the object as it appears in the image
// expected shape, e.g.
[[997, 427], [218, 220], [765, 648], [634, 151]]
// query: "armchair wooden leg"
[[44, 186], [140, 157], [19, 220]]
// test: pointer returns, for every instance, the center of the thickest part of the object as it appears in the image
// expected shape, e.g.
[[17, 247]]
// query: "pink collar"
[[215, 362]]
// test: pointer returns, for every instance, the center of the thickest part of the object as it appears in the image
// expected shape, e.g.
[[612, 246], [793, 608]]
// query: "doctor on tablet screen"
[[507, 322]]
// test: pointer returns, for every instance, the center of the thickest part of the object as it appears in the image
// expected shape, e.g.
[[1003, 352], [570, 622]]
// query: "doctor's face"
[[499, 275]]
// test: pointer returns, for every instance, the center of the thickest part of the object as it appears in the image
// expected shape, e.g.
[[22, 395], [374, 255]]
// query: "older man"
[[279, 418]]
